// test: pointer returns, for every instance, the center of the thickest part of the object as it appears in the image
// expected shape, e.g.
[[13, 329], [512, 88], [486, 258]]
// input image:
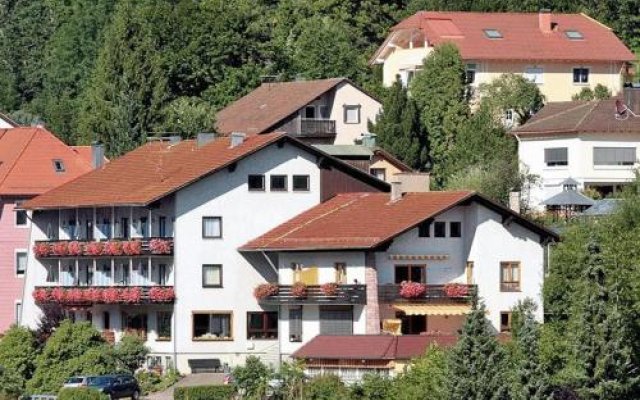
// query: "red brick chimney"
[[544, 21]]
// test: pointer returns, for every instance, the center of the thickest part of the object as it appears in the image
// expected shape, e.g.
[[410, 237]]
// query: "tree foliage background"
[[120, 70]]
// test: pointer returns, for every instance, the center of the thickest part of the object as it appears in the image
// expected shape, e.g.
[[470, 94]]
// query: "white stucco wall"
[[347, 94]]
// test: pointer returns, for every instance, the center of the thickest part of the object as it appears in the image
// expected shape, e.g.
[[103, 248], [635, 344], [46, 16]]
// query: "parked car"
[[76, 381], [116, 386]]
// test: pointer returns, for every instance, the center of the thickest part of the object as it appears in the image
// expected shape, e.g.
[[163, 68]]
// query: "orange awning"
[[433, 309]]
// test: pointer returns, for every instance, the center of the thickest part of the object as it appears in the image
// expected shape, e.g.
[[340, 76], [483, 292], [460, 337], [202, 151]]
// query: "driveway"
[[189, 380]]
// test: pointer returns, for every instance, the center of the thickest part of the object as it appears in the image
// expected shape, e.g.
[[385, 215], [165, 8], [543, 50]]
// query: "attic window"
[[493, 34], [573, 35], [58, 165]]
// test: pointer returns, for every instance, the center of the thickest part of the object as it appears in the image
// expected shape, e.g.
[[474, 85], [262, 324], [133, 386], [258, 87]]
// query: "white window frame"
[[588, 75], [534, 72], [15, 262]]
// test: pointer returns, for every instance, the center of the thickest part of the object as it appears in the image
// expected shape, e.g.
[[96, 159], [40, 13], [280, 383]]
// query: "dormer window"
[[492, 34], [58, 165], [574, 35]]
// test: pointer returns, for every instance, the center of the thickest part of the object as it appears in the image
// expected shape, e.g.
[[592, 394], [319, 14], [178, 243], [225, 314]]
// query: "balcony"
[[112, 248], [317, 127], [317, 294], [446, 293], [87, 296]]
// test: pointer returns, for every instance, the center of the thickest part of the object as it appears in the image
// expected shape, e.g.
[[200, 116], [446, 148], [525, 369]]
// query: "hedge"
[[206, 392], [81, 394]]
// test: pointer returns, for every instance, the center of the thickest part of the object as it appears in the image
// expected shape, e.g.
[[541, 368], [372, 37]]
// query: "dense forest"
[[120, 70]]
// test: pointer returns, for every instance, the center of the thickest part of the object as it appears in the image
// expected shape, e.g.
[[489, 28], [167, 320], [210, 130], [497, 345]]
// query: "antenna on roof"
[[623, 112]]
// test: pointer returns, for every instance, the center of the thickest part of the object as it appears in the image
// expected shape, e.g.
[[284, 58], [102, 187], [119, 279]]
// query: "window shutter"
[[614, 155], [555, 155], [336, 320]]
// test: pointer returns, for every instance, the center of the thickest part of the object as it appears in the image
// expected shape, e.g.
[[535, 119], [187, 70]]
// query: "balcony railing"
[[432, 293], [344, 295], [159, 246], [317, 126], [86, 296]]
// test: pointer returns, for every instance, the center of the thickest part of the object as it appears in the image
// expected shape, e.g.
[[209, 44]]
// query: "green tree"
[[373, 387], [441, 95], [478, 361], [17, 358], [326, 387], [187, 116], [398, 128], [511, 92], [252, 378], [426, 374], [130, 353]]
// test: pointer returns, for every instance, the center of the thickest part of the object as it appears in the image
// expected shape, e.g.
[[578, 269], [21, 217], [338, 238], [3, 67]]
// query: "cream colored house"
[[562, 53]]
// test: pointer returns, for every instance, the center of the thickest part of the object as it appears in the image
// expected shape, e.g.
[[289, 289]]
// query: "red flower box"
[[60, 248], [132, 248], [131, 295], [456, 290], [94, 248], [161, 294], [41, 249], [412, 290], [57, 294], [111, 296], [75, 248], [93, 295], [265, 290], [160, 246], [299, 289], [41, 295], [113, 248], [73, 296], [329, 289]]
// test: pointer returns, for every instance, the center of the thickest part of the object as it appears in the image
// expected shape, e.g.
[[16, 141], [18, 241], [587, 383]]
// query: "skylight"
[[574, 35], [493, 34]]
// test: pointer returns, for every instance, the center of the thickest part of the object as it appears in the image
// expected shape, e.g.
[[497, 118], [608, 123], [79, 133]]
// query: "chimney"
[[544, 20], [514, 201], [204, 138], [237, 138], [632, 99], [369, 140], [396, 191], [97, 154]]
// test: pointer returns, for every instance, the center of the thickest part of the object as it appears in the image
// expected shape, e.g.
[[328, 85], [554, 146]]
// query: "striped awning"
[[433, 309], [418, 257]]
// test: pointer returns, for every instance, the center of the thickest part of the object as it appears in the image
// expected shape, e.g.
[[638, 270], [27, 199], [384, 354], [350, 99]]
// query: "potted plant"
[[110, 295], [75, 248], [93, 295], [329, 288], [41, 295], [41, 249], [412, 290], [132, 247], [57, 294], [60, 248], [299, 290], [73, 296], [456, 290], [265, 290], [160, 246], [113, 248], [131, 295], [94, 248]]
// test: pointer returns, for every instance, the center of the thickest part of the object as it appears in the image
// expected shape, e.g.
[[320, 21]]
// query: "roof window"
[[58, 165], [493, 34], [574, 35]]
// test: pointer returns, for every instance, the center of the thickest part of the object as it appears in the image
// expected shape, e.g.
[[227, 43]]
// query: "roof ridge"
[[15, 161], [595, 104], [563, 112]]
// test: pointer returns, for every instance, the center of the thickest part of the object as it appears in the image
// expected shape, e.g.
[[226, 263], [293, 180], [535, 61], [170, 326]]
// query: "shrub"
[[211, 392], [252, 378], [151, 381], [373, 387], [81, 394], [17, 357], [326, 387], [130, 353]]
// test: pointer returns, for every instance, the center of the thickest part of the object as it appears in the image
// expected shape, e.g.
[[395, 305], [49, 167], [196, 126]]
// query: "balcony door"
[[410, 273], [412, 324]]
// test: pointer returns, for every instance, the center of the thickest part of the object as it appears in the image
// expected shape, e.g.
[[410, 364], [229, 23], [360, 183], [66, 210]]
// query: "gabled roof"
[[576, 117], [265, 107], [359, 221], [372, 347], [358, 151], [160, 168], [27, 161], [522, 38]]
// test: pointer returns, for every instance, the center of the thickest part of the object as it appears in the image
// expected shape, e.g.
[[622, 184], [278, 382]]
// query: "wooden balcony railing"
[[432, 293], [87, 296], [344, 295], [317, 127], [154, 246]]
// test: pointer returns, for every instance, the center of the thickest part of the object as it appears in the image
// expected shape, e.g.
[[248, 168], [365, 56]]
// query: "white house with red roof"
[[562, 53]]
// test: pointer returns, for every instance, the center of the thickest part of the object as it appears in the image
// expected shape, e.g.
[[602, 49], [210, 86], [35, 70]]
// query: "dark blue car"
[[116, 386]]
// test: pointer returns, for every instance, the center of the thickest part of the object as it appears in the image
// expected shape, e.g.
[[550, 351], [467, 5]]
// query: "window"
[[262, 325], [295, 324], [341, 272], [310, 112], [53, 273], [581, 75], [21, 215], [211, 227], [162, 226], [510, 276], [455, 229], [301, 183], [163, 325], [470, 73], [106, 320], [278, 183], [508, 116], [440, 229], [410, 273], [492, 34], [424, 229], [556, 157], [18, 312], [574, 35], [380, 173], [505, 321], [336, 320], [352, 114], [534, 75], [212, 276], [58, 165], [412, 324], [614, 155], [212, 326], [21, 262], [323, 111], [256, 182]]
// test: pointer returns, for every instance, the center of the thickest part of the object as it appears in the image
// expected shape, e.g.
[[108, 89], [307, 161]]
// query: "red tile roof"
[[522, 38], [368, 220], [575, 117], [26, 161], [372, 347], [158, 169], [265, 107]]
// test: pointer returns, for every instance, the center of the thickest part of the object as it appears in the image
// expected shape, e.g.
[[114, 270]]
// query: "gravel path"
[[189, 380]]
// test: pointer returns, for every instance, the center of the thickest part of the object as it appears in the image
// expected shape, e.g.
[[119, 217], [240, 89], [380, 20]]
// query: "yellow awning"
[[433, 309]]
